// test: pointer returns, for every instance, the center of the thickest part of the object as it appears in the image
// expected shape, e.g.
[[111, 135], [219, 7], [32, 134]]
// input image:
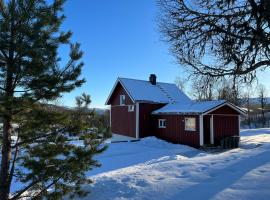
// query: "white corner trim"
[[212, 129], [239, 121], [137, 120], [201, 130]]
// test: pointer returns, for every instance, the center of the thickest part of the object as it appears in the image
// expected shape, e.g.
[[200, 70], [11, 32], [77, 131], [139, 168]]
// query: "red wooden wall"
[[225, 123], [175, 130], [146, 120], [115, 98], [225, 126], [122, 121]]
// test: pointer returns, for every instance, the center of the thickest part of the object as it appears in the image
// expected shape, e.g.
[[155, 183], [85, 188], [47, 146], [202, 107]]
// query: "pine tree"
[[31, 74]]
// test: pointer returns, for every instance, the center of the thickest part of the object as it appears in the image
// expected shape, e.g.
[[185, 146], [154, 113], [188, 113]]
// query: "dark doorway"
[[206, 129]]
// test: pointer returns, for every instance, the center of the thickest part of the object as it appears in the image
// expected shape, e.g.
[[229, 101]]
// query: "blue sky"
[[120, 38]]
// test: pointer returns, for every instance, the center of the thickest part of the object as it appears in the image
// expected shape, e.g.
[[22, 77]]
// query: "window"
[[122, 99], [162, 123], [130, 108], [190, 124]]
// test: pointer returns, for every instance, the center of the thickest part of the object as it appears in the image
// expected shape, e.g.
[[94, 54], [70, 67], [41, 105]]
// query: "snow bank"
[[125, 154], [154, 169]]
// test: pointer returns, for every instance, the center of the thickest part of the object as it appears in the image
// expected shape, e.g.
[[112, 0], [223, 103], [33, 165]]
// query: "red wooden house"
[[149, 108]]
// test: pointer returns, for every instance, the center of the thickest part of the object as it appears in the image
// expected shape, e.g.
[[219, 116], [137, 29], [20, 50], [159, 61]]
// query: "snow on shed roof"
[[194, 107], [140, 90]]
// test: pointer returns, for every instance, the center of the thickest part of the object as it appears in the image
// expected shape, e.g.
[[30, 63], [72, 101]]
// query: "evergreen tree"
[[31, 74]]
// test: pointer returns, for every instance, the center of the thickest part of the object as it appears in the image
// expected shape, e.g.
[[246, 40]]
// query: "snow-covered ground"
[[154, 169]]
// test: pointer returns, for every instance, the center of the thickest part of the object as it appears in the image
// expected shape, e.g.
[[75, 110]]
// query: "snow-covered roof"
[[192, 108], [140, 90]]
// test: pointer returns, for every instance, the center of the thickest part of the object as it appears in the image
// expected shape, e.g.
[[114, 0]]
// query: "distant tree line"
[[251, 97]]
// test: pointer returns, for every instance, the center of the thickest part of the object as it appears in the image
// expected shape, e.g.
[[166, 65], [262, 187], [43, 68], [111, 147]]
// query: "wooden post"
[[212, 129], [201, 130]]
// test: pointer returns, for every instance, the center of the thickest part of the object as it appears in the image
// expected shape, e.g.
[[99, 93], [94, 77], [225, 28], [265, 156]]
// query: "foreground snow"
[[154, 169]]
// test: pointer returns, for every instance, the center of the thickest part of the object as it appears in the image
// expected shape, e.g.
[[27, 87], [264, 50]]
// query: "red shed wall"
[[226, 123], [175, 130], [146, 120], [122, 121], [225, 126]]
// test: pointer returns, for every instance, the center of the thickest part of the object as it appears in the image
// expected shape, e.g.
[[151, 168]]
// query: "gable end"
[[118, 89], [225, 108]]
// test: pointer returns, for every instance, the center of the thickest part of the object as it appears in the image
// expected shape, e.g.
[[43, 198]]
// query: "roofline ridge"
[[145, 80]]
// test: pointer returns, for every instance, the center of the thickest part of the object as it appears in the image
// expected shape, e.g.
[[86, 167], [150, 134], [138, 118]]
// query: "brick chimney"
[[153, 79]]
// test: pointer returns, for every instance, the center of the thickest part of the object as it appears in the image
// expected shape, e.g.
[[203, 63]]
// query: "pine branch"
[[4, 54], [20, 192], [38, 195], [31, 140]]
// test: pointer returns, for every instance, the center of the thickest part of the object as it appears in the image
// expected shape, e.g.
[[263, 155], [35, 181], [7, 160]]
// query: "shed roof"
[[140, 90], [194, 107]]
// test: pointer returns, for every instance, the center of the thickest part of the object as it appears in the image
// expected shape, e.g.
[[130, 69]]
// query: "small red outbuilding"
[[149, 108]]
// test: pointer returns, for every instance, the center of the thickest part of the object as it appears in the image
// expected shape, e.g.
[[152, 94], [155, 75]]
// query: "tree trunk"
[[6, 142], [6, 157]]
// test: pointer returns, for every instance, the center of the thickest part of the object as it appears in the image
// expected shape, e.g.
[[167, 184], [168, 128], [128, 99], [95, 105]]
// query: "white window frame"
[[122, 100], [162, 123], [190, 129], [130, 108]]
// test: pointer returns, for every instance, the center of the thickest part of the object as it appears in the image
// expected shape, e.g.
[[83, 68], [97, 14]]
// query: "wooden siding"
[[146, 120], [115, 98], [122, 121], [225, 126], [175, 130]]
